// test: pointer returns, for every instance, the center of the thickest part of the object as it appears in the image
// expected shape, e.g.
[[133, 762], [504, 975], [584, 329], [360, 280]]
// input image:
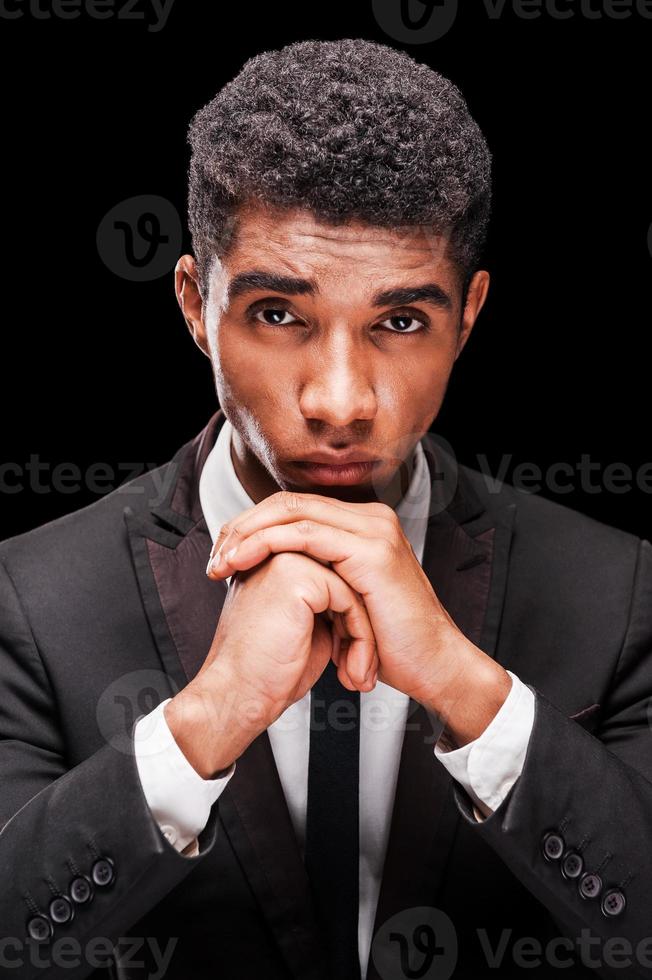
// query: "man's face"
[[328, 364]]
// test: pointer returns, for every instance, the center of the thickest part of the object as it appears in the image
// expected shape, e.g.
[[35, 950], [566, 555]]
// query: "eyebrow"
[[254, 279]]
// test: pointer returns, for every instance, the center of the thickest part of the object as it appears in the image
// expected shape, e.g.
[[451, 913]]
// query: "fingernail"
[[214, 559]]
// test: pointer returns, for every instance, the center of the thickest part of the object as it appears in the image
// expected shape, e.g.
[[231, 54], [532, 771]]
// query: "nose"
[[339, 389]]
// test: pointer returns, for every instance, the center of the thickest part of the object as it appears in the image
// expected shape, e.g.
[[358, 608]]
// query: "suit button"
[[613, 902], [61, 910], [590, 885], [40, 928], [80, 890], [102, 872], [572, 865], [552, 846]]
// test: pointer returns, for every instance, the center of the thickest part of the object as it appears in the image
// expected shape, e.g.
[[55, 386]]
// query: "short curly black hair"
[[344, 129]]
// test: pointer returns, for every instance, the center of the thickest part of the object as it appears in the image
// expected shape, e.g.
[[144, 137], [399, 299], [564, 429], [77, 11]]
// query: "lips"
[[327, 474], [337, 459]]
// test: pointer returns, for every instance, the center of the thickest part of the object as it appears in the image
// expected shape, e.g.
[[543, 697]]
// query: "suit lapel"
[[465, 559], [170, 550]]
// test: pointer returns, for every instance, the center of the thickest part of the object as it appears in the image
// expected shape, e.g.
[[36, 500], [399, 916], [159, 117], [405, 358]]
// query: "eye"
[[273, 316], [403, 323]]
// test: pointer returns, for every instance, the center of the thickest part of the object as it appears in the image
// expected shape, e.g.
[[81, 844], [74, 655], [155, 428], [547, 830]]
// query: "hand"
[[419, 646], [280, 624]]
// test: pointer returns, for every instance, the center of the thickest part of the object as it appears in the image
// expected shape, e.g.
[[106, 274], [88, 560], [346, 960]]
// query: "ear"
[[186, 287], [475, 298]]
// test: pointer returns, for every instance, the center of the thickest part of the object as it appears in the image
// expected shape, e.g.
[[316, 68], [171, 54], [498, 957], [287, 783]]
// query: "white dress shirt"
[[487, 767]]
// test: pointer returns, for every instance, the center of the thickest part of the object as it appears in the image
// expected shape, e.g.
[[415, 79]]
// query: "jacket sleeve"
[[178, 797], [74, 865], [576, 827], [489, 765]]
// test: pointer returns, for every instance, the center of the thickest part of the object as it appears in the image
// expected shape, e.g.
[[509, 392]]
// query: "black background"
[[99, 368]]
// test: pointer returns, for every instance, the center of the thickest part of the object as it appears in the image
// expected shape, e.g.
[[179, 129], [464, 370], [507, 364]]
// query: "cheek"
[[413, 391], [253, 392]]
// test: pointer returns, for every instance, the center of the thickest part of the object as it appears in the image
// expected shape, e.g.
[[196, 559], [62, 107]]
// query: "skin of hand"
[[420, 649], [281, 623]]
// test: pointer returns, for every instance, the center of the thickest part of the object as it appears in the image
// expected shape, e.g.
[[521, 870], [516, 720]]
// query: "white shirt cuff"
[[489, 766], [179, 798]]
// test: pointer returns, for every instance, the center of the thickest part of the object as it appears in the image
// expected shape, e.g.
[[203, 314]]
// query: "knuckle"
[[386, 549], [230, 529], [383, 510], [289, 500], [285, 562], [305, 527]]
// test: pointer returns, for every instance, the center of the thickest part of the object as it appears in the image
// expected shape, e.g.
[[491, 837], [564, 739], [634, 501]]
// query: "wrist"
[[468, 697], [205, 725]]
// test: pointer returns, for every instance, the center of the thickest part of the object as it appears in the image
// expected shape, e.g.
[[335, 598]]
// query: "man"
[[397, 726]]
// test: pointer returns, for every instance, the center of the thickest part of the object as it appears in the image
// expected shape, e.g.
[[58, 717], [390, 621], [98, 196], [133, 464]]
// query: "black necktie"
[[332, 828]]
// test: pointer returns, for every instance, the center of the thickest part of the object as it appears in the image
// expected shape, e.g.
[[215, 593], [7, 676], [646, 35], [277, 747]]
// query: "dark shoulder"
[[92, 535], [556, 538]]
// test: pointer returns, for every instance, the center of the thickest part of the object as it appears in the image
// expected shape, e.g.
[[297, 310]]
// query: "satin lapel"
[[170, 545], [465, 558], [170, 548]]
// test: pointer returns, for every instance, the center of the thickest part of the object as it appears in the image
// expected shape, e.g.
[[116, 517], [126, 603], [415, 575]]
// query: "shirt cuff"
[[488, 767], [179, 798]]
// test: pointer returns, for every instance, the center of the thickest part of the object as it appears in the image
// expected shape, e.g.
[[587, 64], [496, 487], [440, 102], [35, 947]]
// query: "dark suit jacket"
[[107, 611]]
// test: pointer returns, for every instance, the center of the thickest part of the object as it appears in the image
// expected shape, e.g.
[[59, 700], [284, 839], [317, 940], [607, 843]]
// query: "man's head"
[[338, 204]]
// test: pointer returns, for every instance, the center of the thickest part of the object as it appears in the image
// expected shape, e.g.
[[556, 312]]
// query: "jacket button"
[[61, 910], [552, 846], [40, 928], [613, 902], [572, 864], [590, 885], [80, 890], [102, 872]]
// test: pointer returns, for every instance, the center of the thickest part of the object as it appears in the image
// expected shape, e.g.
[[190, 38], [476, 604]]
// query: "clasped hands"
[[418, 648]]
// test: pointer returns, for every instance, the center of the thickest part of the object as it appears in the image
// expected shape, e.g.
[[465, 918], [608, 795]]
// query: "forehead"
[[297, 241]]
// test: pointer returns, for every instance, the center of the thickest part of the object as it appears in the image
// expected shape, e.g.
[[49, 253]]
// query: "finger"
[[328, 591], [287, 506], [337, 632], [342, 649], [342, 672], [352, 669], [338, 625], [357, 661], [319, 541]]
